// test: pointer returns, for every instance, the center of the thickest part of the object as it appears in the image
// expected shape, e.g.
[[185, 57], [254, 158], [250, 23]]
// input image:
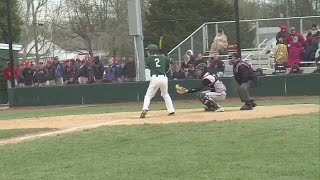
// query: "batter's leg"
[[166, 96], [151, 91]]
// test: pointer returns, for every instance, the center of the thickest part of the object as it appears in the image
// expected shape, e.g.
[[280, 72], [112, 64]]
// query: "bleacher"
[[258, 58], [200, 41]]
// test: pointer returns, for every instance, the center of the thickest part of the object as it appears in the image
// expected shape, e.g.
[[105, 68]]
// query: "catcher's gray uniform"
[[217, 92], [217, 89]]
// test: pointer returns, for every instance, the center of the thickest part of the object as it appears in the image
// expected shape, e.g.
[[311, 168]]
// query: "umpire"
[[246, 78]]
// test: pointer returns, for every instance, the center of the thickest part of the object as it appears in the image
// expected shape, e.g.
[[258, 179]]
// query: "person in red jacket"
[[7, 74], [292, 34]]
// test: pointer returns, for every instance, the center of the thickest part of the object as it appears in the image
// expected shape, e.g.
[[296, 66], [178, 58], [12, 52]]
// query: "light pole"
[[287, 14], [8, 7], [236, 11], [135, 29]]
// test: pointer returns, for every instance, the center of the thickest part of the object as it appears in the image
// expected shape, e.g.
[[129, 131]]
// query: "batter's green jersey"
[[157, 64]]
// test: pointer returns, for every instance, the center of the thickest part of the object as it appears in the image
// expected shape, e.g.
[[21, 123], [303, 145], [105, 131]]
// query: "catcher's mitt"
[[180, 89]]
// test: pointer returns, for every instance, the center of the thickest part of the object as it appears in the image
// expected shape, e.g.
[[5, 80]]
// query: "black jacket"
[[70, 72], [243, 72], [50, 74], [178, 75], [83, 71], [98, 70], [27, 75], [282, 35], [129, 70], [192, 74], [199, 61], [40, 75]]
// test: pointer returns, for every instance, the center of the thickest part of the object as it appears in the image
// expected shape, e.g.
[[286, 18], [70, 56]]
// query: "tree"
[[278, 8], [101, 24], [15, 20], [176, 19], [83, 21], [36, 28]]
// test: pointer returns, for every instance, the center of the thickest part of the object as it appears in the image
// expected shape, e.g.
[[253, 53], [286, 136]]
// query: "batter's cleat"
[[171, 114], [247, 106], [209, 109], [143, 113], [220, 109]]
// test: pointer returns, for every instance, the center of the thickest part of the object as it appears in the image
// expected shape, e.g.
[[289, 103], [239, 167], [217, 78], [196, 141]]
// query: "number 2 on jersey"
[[157, 62]]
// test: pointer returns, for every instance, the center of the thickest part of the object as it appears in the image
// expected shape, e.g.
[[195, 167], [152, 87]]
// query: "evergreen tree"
[[15, 20]]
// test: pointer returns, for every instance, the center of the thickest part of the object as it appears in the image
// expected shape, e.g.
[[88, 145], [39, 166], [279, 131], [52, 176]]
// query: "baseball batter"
[[157, 65], [216, 90]]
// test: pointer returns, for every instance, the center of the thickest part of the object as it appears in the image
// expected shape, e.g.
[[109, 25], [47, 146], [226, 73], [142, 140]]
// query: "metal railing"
[[178, 47], [260, 52], [252, 31]]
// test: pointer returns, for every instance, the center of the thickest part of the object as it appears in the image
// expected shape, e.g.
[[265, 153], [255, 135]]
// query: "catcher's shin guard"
[[209, 102]]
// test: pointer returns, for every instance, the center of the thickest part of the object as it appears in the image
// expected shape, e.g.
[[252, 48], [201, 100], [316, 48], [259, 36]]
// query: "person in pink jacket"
[[295, 52], [294, 33]]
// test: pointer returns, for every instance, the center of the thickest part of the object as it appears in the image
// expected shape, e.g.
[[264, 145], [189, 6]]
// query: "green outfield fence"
[[283, 85], [4, 57]]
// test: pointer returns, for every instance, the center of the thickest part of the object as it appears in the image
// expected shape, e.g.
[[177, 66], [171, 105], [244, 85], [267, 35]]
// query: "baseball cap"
[[283, 27], [152, 47]]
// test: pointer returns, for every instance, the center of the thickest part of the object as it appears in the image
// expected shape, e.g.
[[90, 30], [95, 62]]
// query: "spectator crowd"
[[188, 68], [71, 71], [291, 48]]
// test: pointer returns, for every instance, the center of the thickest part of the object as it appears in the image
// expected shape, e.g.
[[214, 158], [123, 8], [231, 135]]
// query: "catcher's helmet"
[[206, 74]]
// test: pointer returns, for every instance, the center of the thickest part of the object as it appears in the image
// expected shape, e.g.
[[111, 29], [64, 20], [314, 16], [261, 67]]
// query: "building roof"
[[15, 47]]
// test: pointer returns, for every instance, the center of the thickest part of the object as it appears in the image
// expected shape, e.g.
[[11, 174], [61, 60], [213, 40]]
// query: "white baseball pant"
[[156, 82]]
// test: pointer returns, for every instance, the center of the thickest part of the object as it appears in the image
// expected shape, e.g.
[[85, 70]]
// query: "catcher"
[[210, 91]]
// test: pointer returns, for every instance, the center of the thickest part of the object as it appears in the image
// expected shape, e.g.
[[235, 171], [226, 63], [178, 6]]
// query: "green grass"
[[277, 148], [8, 133], [35, 113]]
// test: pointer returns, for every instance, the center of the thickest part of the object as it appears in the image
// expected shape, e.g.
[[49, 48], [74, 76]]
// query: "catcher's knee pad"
[[209, 102]]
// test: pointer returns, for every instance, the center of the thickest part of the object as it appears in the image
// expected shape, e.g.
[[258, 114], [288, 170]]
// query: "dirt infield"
[[229, 99], [73, 123]]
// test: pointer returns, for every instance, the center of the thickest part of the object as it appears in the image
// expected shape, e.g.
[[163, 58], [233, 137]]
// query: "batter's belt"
[[156, 75]]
